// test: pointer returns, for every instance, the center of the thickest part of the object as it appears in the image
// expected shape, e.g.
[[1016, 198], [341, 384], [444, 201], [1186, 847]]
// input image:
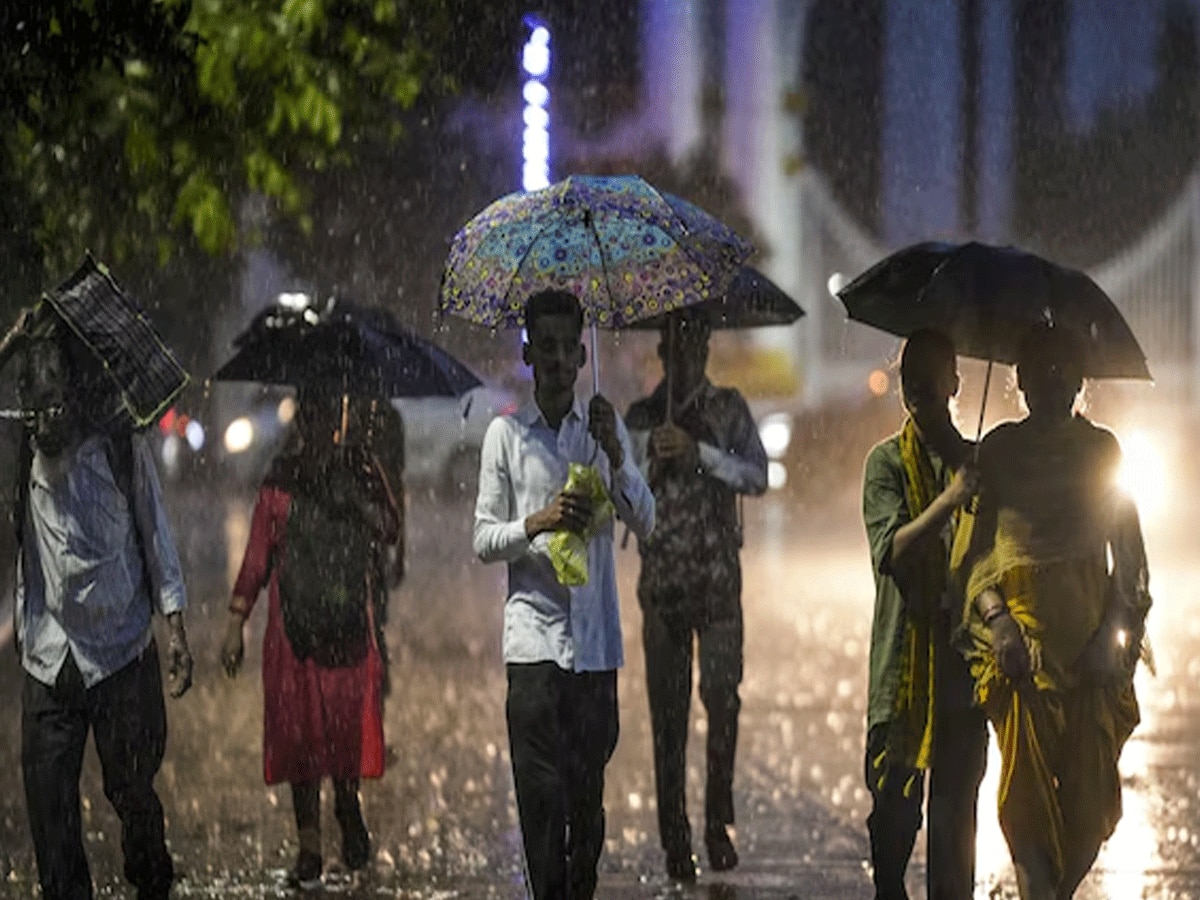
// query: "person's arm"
[[885, 510], [933, 518], [744, 466], [1131, 570], [253, 574], [631, 495], [497, 537], [161, 559], [1008, 643], [158, 545], [1114, 648]]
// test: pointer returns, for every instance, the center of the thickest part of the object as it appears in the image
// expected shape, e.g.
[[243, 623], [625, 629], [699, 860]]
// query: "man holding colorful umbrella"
[[606, 252], [562, 641]]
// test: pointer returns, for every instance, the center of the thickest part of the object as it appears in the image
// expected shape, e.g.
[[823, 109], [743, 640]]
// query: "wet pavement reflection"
[[443, 816]]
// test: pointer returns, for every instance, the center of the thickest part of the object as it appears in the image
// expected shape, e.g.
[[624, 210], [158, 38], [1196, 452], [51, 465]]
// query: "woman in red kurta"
[[317, 722]]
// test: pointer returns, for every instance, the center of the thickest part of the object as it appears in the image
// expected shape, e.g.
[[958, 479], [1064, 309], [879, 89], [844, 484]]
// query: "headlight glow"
[[1143, 474], [776, 475], [775, 432], [239, 435], [193, 432]]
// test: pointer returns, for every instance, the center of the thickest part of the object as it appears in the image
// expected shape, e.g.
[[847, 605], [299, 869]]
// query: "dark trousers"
[[668, 646], [956, 770], [128, 721], [562, 730]]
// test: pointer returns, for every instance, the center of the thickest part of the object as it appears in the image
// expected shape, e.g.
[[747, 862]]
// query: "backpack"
[[323, 578]]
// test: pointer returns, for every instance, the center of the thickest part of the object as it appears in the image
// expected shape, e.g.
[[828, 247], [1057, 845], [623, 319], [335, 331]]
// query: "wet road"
[[443, 816]]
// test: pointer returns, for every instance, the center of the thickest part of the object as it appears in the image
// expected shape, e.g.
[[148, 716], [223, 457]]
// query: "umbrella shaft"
[[987, 380], [595, 362]]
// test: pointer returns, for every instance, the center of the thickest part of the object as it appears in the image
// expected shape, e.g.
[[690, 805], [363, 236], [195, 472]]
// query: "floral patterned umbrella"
[[626, 250]]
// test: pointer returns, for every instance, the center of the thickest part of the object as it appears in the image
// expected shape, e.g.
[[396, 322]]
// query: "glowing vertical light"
[[535, 139]]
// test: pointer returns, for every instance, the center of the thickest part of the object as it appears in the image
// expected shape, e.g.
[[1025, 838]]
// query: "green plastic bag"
[[568, 550]]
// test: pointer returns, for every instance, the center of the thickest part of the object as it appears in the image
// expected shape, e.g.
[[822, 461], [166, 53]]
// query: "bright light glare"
[[293, 300], [1143, 474], [837, 281], [287, 410], [535, 93], [194, 432], [776, 475], [1131, 860], [536, 57], [170, 451], [534, 176], [992, 861], [878, 383], [537, 144], [538, 118], [775, 432], [239, 435], [535, 139]]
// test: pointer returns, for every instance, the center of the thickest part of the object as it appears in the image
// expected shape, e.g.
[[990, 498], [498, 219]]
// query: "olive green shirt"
[[885, 511]]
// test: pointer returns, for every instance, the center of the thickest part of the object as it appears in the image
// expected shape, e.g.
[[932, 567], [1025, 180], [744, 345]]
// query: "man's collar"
[[531, 413]]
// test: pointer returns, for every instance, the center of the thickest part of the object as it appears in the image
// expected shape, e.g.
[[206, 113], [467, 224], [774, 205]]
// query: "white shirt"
[[523, 466], [95, 563]]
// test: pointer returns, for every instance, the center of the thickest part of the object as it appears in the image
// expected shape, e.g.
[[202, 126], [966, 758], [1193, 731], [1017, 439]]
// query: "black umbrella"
[[988, 298], [344, 349], [752, 300]]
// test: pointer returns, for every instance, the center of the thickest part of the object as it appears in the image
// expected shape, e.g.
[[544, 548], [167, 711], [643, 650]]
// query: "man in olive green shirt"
[[920, 711]]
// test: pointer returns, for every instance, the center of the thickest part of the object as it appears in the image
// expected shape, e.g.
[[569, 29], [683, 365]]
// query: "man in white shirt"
[[562, 645], [96, 562]]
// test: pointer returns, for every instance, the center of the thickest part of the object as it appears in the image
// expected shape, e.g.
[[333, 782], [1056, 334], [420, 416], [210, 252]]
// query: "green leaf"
[[305, 16], [141, 147]]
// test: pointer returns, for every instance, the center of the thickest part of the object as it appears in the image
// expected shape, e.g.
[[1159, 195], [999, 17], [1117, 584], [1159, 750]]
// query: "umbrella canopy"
[[344, 349], [988, 298], [143, 373], [627, 250], [752, 300]]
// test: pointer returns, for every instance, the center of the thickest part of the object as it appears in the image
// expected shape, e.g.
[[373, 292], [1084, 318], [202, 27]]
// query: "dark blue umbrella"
[[344, 349]]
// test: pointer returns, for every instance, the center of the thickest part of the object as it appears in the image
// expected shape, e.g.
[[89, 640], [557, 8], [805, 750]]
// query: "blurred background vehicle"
[[232, 439], [443, 437]]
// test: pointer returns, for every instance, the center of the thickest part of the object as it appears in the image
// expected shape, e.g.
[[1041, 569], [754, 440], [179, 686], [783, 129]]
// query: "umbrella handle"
[[595, 362], [987, 379], [595, 385]]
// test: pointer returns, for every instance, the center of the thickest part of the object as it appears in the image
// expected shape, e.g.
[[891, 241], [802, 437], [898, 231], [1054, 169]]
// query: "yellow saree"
[[1039, 537]]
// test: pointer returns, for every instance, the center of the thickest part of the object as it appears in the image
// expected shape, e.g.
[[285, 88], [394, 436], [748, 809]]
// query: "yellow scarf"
[[912, 734]]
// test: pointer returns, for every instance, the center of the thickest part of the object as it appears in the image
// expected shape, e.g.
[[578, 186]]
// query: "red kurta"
[[317, 723]]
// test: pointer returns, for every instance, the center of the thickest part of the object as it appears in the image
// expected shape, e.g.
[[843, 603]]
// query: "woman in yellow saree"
[[1051, 634]]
